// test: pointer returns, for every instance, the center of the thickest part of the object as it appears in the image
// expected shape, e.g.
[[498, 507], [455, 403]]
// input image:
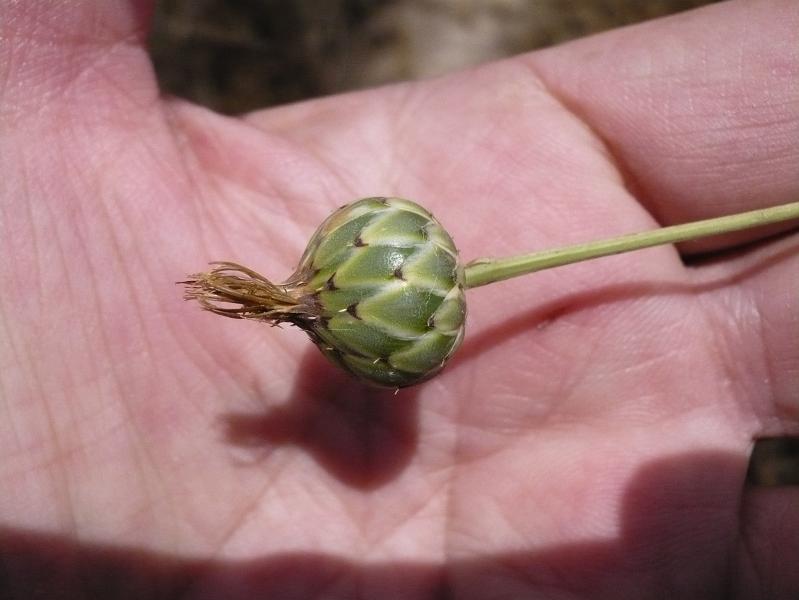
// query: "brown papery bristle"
[[232, 290]]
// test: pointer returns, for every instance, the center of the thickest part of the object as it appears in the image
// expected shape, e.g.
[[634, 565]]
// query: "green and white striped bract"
[[381, 277]]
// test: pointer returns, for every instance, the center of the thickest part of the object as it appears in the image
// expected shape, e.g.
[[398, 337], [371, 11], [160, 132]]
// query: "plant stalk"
[[483, 271]]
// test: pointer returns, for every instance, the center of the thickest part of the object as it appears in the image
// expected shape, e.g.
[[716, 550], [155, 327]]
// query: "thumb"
[[64, 53]]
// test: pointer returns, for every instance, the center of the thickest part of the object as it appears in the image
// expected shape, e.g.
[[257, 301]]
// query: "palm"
[[591, 434]]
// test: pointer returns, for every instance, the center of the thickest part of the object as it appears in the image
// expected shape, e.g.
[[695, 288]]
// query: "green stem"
[[488, 270]]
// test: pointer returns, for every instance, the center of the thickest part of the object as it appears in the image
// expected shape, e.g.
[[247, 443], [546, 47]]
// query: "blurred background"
[[239, 55]]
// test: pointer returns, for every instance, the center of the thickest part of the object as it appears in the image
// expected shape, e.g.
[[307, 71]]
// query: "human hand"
[[590, 439]]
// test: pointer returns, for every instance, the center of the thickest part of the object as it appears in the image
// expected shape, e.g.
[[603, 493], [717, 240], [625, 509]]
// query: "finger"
[[700, 110], [62, 53], [752, 307]]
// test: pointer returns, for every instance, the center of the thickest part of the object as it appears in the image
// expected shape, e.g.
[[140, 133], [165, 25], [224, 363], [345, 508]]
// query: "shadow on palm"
[[361, 435], [677, 528]]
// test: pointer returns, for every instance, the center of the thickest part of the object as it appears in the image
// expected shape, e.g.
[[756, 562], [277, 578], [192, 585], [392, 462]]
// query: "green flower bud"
[[378, 290]]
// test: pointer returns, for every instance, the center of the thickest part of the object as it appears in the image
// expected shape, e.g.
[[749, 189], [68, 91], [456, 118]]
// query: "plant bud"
[[378, 290]]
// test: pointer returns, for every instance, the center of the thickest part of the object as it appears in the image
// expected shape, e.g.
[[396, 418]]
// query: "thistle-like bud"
[[378, 290]]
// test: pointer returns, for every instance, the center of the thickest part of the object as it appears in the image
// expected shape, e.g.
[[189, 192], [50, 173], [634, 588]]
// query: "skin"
[[589, 440]]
